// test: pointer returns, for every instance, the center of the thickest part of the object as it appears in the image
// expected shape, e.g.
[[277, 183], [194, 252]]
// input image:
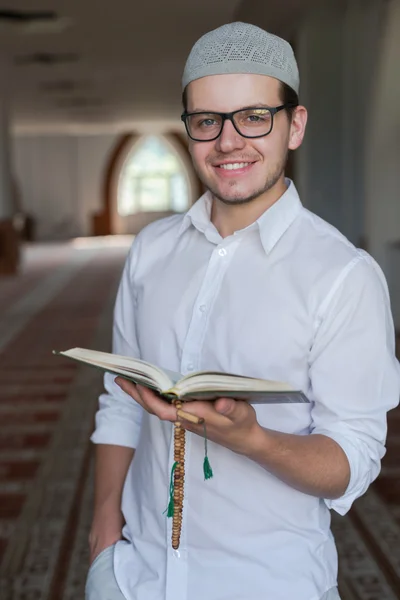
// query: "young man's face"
[[260, 162]]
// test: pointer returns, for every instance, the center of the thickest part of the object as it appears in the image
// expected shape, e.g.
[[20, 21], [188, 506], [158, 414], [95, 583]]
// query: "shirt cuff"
[[118, 420], [365, 464], [116, 432]]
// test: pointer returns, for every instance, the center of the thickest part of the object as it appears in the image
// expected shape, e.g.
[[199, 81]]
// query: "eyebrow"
[[253, 105]]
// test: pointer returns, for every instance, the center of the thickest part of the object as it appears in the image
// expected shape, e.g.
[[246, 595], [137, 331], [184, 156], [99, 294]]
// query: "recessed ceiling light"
[[9, 14], [60, 85], [46, 58], [79, 102], [33, 22]]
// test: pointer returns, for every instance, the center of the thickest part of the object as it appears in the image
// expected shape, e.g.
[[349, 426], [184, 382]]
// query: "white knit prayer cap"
[[242, 48]]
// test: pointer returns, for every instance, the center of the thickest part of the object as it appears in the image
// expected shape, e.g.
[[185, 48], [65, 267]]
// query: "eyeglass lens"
[[252, 122]]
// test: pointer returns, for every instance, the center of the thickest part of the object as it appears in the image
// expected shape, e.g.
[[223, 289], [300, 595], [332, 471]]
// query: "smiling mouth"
[[234, 166]]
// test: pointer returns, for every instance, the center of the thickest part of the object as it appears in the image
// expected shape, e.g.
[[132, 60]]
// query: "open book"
[[204, 385]]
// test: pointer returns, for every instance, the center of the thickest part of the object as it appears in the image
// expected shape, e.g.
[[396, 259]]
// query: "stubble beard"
[[271, 181]]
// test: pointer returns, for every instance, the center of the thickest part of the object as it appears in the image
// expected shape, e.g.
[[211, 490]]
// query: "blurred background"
[[91, 150]]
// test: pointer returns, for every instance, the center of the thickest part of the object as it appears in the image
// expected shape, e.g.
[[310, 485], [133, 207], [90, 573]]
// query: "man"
[[247, 282]]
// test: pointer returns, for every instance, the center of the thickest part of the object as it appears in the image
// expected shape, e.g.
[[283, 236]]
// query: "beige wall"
[[60, 180], [383, 158], [347, 169], [338, 46]]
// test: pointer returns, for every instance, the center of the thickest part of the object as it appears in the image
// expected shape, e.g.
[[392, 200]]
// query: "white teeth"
[[231, 166]]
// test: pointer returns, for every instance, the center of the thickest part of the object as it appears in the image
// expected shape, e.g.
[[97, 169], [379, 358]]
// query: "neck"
[[228, 218]]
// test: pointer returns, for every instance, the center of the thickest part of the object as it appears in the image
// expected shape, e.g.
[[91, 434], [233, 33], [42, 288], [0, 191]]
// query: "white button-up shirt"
[[287, 298]]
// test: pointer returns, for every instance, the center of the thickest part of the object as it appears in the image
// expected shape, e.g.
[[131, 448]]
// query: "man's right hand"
[[106, 530], [111, 466]]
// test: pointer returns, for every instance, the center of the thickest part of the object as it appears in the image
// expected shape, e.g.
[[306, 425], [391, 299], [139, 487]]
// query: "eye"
[[253, 117], [258, 116], [207, 122]]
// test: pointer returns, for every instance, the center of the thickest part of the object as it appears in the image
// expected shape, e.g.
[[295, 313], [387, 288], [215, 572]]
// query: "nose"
[[229, 139]]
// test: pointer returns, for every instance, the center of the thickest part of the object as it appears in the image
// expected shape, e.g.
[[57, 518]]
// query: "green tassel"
[[170, 508], [207, 470]]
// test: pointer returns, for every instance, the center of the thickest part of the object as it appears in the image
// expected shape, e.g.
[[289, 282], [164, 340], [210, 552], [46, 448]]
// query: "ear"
[[297, 127]]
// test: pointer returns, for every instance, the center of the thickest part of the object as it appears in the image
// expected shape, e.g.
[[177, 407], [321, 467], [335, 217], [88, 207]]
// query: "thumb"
[[225, 406]]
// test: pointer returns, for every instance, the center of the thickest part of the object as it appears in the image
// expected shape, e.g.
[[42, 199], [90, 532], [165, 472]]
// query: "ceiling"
[[110, 64]]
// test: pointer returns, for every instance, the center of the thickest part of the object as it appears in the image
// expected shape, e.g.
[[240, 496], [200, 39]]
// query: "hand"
[[106, 530], [314, 464], [230, 423]]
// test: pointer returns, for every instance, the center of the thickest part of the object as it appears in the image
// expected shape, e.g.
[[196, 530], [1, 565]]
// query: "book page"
[[123, 365], [214, 382], [173, 376]]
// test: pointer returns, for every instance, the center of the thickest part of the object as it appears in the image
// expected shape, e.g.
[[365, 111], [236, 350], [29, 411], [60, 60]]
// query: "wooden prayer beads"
[[179, 479], [177, 483]]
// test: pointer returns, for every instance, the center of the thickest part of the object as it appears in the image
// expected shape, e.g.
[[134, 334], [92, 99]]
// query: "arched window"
[[153, 178]]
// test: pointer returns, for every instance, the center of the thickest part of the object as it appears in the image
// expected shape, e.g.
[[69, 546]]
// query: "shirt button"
[[190, 366], [222, 252], [202, 308]]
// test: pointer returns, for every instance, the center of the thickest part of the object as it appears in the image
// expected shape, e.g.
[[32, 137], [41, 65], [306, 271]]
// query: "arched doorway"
[[139, 168], [153, 182]]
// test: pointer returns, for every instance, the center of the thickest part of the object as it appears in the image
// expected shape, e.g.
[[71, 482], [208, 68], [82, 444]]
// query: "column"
[[9, 238]]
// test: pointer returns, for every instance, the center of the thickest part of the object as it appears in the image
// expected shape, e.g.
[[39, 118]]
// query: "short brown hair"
[[289, 96]]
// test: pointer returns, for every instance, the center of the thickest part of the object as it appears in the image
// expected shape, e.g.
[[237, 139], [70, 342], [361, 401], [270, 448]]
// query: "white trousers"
[[102, 585]]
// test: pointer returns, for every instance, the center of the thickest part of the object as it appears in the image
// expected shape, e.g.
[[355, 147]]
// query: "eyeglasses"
[[248, 122]]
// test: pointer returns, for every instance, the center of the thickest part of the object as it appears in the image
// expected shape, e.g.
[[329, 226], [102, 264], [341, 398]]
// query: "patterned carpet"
[[63, 298]]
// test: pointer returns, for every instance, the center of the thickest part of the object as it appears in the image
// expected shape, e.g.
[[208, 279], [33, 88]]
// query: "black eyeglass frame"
[[229, 116]]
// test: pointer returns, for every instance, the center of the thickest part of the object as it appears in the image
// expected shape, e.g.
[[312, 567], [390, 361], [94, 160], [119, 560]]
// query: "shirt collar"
[[199, 216], [271, 225], [275, 221]]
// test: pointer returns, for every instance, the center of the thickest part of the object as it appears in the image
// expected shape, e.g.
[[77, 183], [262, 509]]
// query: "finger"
[[204, 411], [158, 406], [133, 391], [127, 386], [235, 410], [225, 406]]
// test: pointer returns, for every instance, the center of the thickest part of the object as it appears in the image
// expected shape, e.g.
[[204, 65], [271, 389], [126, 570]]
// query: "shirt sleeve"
[[354, 374], [118, 417]]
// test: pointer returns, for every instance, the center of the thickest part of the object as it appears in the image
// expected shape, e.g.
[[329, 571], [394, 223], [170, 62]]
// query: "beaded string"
[[177, 480]]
